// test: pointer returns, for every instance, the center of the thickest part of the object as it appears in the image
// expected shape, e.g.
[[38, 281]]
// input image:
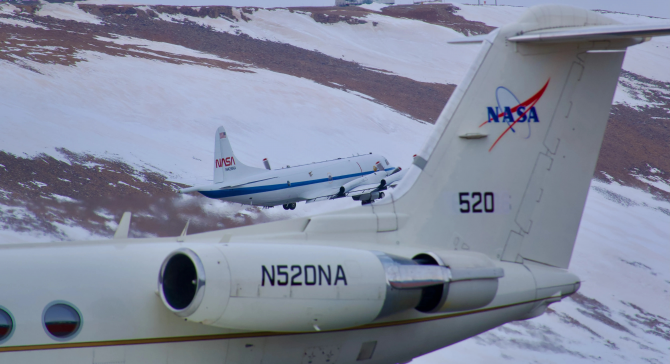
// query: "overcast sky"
[[659, 8]]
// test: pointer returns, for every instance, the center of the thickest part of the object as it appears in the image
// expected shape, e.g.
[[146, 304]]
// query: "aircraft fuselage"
[[113, 286], [297, 183]]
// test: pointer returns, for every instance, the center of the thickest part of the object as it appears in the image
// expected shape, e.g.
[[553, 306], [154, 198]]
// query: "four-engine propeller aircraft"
[[362, 177], [479, 233]]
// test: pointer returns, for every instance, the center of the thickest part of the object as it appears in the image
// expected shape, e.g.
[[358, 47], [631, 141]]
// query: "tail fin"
[[226, 166], [507, 170]]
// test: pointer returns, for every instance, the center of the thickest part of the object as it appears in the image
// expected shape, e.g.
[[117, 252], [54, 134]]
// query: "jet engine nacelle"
[[473, 283], [285, 287]]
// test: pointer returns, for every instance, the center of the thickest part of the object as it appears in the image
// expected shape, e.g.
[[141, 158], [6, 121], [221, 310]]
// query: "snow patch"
[[20, 23], [655, 181], [405, 47], [653, 169], [105, 214], [101, 107], [66, 11], [636, 93], [163, 47], [60, 198], [76, 233]]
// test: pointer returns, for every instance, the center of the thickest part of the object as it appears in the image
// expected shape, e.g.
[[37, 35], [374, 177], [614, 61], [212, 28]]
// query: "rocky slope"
[[634, 151]]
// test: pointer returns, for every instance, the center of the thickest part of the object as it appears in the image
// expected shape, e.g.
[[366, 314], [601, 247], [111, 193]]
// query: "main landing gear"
[[289, 206], [368, 198]]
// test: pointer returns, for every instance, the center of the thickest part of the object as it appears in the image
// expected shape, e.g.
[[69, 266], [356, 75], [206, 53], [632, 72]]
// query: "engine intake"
[[182, 282]]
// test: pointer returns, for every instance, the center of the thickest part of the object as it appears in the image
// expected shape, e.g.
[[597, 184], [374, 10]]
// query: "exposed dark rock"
[[567, 319], [438, 14], [40, 194], [594, 309], [654, 324]]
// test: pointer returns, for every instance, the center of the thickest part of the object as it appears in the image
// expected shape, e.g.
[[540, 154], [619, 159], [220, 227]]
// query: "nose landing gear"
[[289, 206]]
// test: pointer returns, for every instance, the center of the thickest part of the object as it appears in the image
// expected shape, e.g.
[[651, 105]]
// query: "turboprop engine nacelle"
[[284, 287]]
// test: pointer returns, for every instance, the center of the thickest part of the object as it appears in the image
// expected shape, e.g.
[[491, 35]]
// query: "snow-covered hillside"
[[102, 105]]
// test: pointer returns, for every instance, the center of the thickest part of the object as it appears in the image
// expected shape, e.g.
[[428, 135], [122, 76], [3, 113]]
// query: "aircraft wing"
[[358, 191], [361, 190], [389, 181]]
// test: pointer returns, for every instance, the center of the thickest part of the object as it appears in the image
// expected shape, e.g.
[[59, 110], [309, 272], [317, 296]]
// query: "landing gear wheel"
[[381, 195], [285, 206], [291, 206]]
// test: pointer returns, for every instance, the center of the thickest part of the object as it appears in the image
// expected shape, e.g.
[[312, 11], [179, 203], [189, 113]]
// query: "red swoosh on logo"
[[528, 104]]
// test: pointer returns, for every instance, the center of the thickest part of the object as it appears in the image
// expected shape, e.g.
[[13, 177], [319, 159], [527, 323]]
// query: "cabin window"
[[6, 325], [61, 320]]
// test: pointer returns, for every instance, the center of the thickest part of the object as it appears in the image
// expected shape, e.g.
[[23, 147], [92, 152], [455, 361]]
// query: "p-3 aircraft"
[[362, 177], [479, 233]]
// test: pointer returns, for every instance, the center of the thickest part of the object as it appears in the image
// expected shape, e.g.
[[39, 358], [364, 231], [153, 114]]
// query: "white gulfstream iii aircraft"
[[479, 233], [363, 177]]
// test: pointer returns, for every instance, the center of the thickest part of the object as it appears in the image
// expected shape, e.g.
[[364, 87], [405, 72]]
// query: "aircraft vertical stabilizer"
[[226, 165], [508, 168]]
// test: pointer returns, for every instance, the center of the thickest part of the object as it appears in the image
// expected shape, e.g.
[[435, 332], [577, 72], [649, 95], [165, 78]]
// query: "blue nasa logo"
[[511, 111], [508, 116]]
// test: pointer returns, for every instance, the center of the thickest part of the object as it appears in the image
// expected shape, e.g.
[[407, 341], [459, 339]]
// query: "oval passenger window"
[[61, 321], [6, 325]]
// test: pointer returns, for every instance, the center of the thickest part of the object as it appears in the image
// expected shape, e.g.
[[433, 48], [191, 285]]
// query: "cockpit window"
[[61, 321]]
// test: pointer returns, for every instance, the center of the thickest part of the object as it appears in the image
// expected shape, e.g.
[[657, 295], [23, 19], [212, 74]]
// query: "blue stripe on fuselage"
[[260, 189]]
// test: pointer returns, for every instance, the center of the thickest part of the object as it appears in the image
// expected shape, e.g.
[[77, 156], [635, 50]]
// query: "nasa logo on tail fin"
[[511, 111], [227, 166]]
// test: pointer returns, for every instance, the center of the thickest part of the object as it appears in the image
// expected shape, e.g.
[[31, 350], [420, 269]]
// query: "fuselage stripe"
[[259, 189], [163, 340]]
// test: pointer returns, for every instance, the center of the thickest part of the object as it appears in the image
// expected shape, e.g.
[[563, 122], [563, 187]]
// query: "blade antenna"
[[124, 226], [185, 231]]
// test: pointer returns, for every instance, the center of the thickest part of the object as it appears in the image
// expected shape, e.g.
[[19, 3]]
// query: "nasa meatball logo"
[[512, 114]]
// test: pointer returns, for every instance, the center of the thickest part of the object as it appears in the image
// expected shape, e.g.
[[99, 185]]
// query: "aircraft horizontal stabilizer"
[[189, 189], [469, 40], [604, 32]]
